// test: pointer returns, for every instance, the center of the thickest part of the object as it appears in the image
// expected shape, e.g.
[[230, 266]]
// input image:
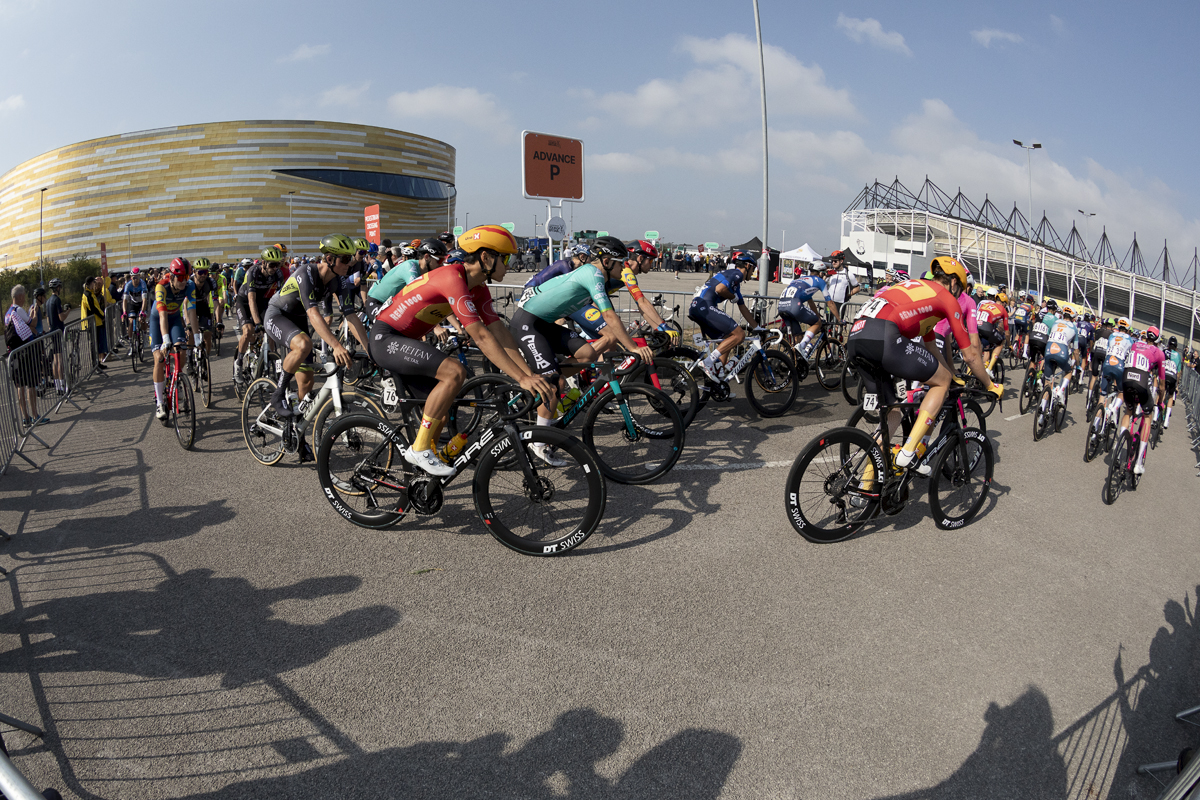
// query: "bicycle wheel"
[[999, 376], [204, 370], [1095, 435], [362, 471], [637, 436], [1028, 391], [772, 383], [1042, 415], [687, 357], [825, 497], [467, 416], [353, 402], [851, 384], [533, 508], [676, 382], [183, 411], [1155, 433], [261, 429], [1115, 482], [831, 358], [959, 483]]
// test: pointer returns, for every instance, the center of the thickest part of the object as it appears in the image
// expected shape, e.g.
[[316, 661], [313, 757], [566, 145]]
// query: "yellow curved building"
[[223, 190]]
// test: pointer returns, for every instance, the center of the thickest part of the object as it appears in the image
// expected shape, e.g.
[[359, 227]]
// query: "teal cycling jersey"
[[397, 278], [566, 294], [1174, 363]]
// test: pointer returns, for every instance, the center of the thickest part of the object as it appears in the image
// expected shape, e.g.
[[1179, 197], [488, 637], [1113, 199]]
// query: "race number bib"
[[1140, 362], [982, 317], [1170, 367], [1040, 329], [1061, 335], [870, 402], [1120, 350], [525, 295], [871, 308], [789, 293], [1102, 345]]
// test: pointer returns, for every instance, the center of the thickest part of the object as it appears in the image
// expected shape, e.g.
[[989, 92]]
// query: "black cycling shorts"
[[281, 329], [797, 315], [1171, 385], [414, 362], [990, 334], [880, 342], [241, 306], [541, 342], [714, 323], [1098, 358], [1037, 347], [1136, 392]]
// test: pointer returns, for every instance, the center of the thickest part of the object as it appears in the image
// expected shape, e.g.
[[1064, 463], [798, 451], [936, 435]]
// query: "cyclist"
[[239, 274], [1142, 382], [173, 298], [1099, 351], [136, 302], [715, 323], [542, 340], [429, 256], [1060, 352], [1021, 317], [882, 334], [573, 257], [970, 321], [250, 305], [205, 297], [1172, 365], [1039, 333], [294, 307], [837, 278], [798, 310], [402, 322], [639, 258], [1113, 371], [992, 320]]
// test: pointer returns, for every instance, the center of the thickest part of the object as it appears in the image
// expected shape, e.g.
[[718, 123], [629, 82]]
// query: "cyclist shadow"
[[694, 764], [189, 625]]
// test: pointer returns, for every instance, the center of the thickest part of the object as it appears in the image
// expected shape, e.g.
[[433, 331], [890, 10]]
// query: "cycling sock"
[[544, 421], [436, 430], [1142, 452], [808, 337], [1167, 418], [919, 429], [159, 388], [424, 440]]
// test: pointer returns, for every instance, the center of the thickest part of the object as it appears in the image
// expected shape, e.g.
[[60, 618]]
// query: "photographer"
[[56, 320]]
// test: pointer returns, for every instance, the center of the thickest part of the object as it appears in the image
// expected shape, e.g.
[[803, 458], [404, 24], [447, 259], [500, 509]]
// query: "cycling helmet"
[[612, 247], [1152, 334], [134, 271], [39, 292], [1052, 304], [1123, 323], [744, 258], [488, 237], [272, 254], [446, 238], [992, 294], [1172, 343], [55, 283], [641, 247], [580, 251], [890, 274], [1023, 294], [953, 267], [337, 244], [245, 262], [901, 275], [281, 247], [201, 263], [362, 244], [432, 247], [456, 256], [179, 267], [408, 252]]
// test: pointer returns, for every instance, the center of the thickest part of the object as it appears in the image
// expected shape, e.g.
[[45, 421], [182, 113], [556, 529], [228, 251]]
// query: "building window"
[[378, 182]]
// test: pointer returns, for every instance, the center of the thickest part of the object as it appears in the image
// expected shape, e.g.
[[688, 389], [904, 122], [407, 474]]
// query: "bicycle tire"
[[1042, 419], [267, 448], [999, 377], [774, 374], [353, 475], [183, 413], [518, 512], [830, 360], [466, 417], [952, 472], [1155, 433], [1094, 440], [1115, 481], [832, 517], [353, 402], [133, 357], [675, 381], [204, 367], [645, 453], [851, 384], [688, 358], [1028, 388]]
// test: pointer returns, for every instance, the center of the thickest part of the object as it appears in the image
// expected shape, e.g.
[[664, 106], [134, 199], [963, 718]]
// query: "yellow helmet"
[[951, 266], [488, 237]]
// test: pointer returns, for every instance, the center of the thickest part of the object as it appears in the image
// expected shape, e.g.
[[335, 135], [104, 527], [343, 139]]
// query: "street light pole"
[[291, 234], [1087, 233], [764, 261], [129, 243], [1029, 148], [41, 251]]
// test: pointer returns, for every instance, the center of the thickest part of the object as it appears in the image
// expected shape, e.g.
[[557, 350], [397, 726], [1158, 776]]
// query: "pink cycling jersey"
[[1146, 358], [967, 304]]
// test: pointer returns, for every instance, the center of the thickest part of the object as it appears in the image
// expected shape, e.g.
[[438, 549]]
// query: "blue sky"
[[665, 96]]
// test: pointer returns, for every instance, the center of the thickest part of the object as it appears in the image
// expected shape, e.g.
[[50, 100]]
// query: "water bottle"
[[453, 448]]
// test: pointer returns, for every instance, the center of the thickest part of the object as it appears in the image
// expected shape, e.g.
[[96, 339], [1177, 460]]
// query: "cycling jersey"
[[1119, 345], [917, 307], [970, 318], [803, 289], [1144, 362], [135, 293], [424, 303], [171, 302], [1023, 313], [258, 281], [396, 279], [730, 278], [991, 312], [1060, 348], [303, 290], [793, 308], [203, 295], [561, 267], [629, 278], [566, 294], [1172, 364]]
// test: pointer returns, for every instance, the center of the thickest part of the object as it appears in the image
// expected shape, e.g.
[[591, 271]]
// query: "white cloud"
[[724, 84], [305, 52], [344, 95], [462, 104], [871, 31], [986, 36], [1057, 25], [12, 103], [618, 162]]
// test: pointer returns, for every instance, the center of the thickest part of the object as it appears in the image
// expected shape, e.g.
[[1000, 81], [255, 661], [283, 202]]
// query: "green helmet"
[[201, 263], [362, 244], [337, 244], [272, 254]]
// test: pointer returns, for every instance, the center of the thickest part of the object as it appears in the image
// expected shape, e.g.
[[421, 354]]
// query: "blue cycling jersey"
[[730, 278], [803, 289], [561, 267]]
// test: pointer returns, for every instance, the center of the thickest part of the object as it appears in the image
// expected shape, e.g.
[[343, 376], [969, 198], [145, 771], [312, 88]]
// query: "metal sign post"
[[552, 170]]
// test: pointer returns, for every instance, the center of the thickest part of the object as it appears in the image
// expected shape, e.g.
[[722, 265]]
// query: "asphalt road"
[[196, 625]]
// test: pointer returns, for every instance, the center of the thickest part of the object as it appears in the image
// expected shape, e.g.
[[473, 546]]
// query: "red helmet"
[[179, 267], [642, 248], [1152, 334]]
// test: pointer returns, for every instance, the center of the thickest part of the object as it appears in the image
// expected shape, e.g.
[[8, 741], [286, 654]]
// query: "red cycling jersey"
[[992, 312], [916, 307], [424, 303]]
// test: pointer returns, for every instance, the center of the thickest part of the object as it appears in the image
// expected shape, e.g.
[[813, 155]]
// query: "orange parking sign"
[[552, 167]]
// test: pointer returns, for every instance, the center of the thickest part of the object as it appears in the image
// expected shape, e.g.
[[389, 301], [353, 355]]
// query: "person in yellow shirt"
[[96, 296]]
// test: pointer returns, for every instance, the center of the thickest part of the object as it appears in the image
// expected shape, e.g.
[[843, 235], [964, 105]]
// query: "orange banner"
[[371, 221]]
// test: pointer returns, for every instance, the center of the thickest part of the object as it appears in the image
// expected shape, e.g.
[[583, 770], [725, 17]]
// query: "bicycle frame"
[[755, 344], [332, 387]]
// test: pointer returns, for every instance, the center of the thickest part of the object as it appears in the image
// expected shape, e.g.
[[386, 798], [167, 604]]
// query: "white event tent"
[[787, 261]]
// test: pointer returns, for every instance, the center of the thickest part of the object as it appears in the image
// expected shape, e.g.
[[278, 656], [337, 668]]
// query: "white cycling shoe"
[[428, 462], [161, 413], [548, 454]]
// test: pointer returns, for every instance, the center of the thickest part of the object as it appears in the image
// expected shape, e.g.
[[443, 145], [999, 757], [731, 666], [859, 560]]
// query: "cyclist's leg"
[[296, 346]]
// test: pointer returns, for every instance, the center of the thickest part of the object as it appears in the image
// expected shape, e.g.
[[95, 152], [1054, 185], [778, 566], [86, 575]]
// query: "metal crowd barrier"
[[112, 327]]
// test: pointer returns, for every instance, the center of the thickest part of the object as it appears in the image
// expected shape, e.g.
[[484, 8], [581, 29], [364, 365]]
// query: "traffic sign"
[[652, 236], [556, 228], [508, 226], [601, 233], [712, 246], [458, 229], [371, 223], [552, 167]]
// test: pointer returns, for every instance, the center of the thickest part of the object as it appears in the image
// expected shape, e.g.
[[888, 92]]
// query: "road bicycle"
[[844, 477], [137, 342], [1102, 425], [200, 372], [527, 505], [178, 399], [269, 438], [1032, 386], [771, 379], [669, 318], [1051, 410], [665, 374], [217, 331], [260, 360], [1124, 457]]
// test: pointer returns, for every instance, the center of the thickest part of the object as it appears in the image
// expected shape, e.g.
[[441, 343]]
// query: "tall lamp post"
[[764, 261], [291, 231], [1029, 148], [41, 251], [129, 242], [1087, 233]]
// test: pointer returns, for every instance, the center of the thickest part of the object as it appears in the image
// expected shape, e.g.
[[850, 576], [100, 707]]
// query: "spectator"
[[56, 320], [18, 331], [37, 312], [91, 311]]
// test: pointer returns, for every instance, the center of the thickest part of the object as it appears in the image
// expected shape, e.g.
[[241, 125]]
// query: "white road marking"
[[1018, 416], [737, 465]]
